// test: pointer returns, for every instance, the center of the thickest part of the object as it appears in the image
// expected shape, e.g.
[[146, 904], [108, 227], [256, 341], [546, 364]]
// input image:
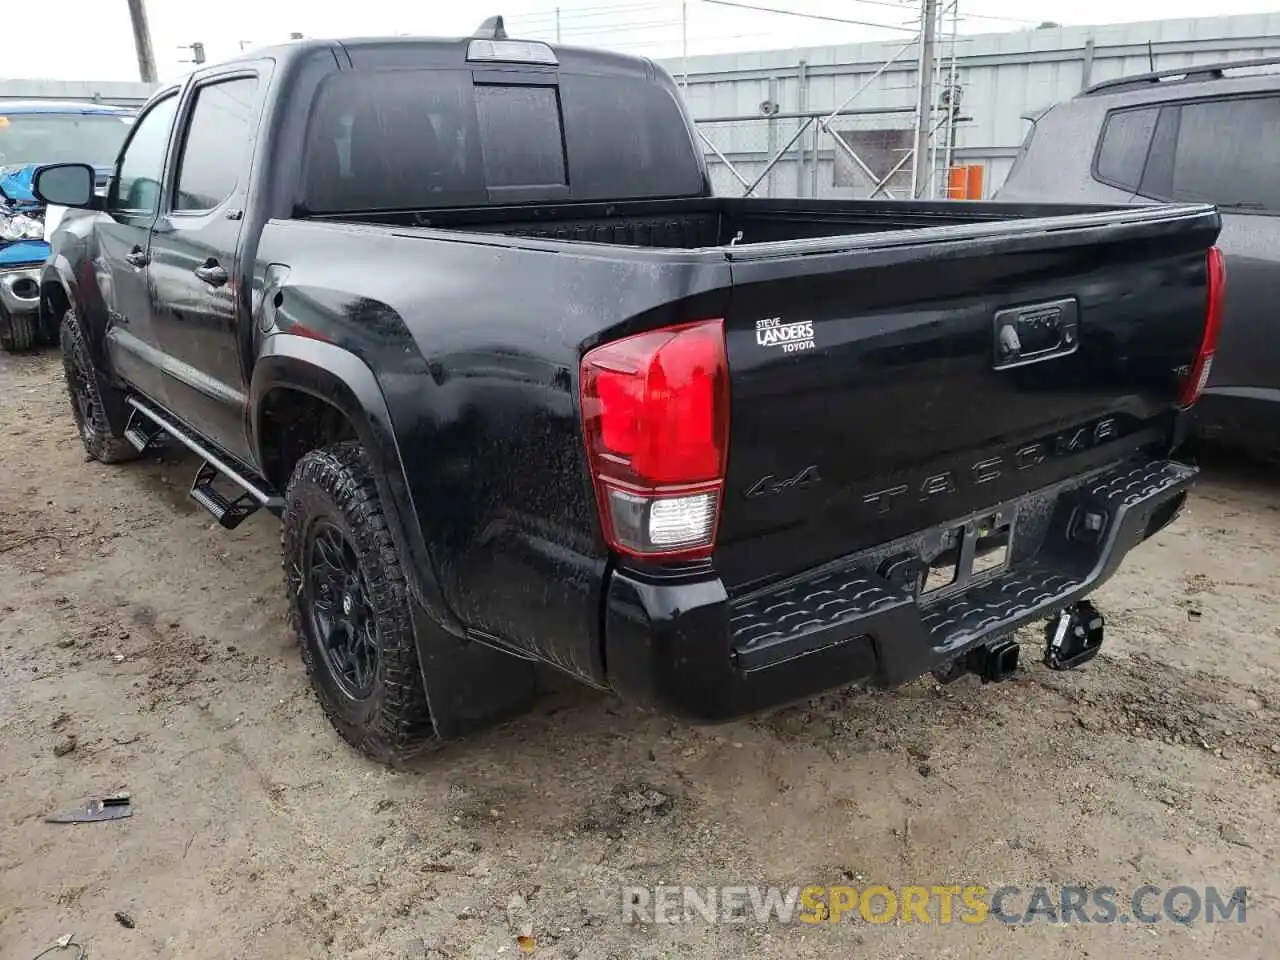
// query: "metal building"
[[750, 106], [754, 107]]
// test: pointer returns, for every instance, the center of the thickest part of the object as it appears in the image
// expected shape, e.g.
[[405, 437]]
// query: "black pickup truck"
[[467, 317]]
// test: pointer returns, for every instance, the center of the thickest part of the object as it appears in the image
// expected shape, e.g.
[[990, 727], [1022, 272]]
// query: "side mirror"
[[65, 184]]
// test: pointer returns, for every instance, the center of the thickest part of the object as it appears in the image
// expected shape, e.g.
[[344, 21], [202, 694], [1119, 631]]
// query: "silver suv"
[[1207, 133]]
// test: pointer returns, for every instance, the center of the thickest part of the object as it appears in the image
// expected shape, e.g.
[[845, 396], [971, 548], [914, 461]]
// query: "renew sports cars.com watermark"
[[935, 904]]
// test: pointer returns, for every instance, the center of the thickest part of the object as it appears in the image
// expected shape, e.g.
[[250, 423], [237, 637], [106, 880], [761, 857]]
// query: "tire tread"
[[101, 443], [400, 725]]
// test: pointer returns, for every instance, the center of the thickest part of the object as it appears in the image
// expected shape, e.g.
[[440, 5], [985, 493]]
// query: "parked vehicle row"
[[466, 316], [34, 132]]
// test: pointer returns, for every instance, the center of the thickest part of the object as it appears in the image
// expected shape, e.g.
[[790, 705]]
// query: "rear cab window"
[[436, 137], [521, 135]]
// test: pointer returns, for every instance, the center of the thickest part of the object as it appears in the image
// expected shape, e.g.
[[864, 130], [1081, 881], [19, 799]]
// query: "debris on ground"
[[65, 942], [1231, 834], [94, 810]]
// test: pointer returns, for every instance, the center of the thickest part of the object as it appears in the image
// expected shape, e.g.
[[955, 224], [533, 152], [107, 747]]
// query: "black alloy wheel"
[[338, 610]]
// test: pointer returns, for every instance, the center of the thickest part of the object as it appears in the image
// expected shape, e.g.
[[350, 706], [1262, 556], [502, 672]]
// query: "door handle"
[[137, 257], [212, 273]]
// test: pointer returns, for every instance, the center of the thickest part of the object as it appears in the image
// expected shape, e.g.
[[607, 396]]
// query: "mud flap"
[[469, 686]]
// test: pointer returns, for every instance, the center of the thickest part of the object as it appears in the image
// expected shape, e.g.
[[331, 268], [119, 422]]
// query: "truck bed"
[[712, 222], [869, 399]]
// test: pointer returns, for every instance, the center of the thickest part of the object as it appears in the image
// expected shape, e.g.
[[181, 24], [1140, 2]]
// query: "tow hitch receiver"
[[992, 663], [996, 662], [1073, 637]]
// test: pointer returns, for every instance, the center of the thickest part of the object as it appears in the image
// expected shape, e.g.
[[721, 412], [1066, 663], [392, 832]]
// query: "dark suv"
[[1206, 133]]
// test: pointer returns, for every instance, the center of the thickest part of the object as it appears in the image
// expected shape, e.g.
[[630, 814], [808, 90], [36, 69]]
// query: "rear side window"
[[421, 138], [215, 152], [1122, 152], [1218, 151]]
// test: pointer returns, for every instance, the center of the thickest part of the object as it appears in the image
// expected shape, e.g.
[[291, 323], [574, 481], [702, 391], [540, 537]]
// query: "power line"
[[809, 16], [575, 17], [630, 27], [550, 17], [575, 13]]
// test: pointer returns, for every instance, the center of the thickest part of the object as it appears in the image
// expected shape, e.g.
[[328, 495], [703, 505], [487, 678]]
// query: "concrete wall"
[[1002, 76], [104, 91]]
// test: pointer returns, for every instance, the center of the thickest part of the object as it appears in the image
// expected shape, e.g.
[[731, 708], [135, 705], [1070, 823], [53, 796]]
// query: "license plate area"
[[972, 552], [943, 570]]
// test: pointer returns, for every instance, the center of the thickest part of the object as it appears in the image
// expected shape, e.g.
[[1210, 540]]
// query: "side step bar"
[[146, 428]]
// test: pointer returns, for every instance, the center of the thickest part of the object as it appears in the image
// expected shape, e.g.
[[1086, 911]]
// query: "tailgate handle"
[[1036, 332]]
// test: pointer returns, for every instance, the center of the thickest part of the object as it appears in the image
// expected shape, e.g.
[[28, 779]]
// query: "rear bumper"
[[685, 647]]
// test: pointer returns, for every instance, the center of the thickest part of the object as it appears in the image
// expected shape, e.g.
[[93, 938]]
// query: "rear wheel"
[[17, 331], [86, 390], [350, 607]]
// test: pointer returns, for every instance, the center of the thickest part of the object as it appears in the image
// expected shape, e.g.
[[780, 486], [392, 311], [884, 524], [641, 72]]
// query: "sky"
[[94, 41]]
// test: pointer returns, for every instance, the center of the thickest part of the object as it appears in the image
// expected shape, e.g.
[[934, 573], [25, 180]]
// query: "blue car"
[[32, 133]]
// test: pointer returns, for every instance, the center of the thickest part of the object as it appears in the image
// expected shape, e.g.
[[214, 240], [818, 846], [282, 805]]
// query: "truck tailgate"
[[886, 384]]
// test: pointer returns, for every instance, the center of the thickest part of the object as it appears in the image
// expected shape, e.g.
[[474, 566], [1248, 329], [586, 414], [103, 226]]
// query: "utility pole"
[[557, 25], [924, 109], [142, 41], [684, 40]]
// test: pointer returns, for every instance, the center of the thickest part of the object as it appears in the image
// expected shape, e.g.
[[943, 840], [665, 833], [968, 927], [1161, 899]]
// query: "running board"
[[145, 428], [228, 512], [145, 434]]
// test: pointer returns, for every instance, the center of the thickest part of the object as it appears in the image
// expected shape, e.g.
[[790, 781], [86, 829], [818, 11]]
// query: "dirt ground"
[[143, 649]]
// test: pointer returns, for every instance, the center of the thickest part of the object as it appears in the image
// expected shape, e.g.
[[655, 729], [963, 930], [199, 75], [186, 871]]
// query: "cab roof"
[[426, 52]]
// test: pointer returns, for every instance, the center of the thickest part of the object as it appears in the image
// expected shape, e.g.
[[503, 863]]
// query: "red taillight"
[[1195, 381], [655, 410]]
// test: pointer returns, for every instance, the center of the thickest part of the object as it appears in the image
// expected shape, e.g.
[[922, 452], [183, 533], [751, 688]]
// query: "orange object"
[[964, 182]]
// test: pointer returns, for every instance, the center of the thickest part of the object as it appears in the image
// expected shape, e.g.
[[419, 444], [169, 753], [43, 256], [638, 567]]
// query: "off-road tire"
[[47, 333], [333, 488], [18, 332], [86, 389]]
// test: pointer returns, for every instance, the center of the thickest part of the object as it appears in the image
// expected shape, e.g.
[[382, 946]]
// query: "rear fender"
[[336, 376], [468, 685]]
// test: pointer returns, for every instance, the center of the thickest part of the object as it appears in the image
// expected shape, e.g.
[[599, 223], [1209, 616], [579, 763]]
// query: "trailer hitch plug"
[[1074, 637], [998, 661], [992, 663]]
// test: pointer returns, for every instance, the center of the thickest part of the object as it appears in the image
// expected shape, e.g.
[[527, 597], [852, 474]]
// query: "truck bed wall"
[[688, 224]]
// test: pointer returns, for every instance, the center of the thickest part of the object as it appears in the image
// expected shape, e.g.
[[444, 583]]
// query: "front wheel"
[[349, 605], [17, 331], [86, 389]]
